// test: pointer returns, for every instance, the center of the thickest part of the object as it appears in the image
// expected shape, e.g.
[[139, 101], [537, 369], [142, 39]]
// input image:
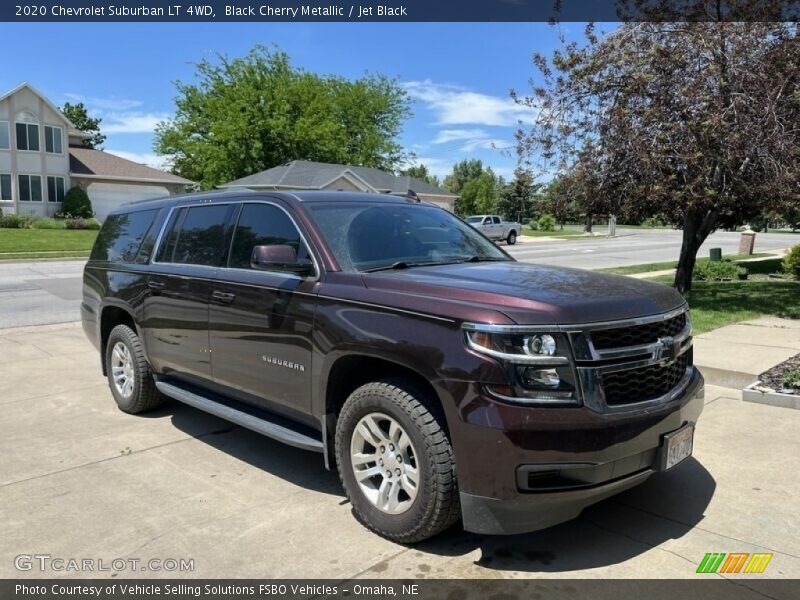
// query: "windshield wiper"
[[475, 259], [400, 264]]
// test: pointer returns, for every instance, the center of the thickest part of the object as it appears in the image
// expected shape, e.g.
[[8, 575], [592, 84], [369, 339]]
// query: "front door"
[[180, 288], [260, 322]]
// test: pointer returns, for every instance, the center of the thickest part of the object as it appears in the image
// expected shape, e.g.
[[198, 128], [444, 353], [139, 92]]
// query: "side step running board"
[[240, 417]]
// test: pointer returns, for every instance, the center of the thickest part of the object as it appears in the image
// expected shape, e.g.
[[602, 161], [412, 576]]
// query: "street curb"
[[724, 378], [750, 394]]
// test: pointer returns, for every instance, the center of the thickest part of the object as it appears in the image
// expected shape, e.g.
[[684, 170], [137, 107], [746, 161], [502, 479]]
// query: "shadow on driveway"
[[667, 506]]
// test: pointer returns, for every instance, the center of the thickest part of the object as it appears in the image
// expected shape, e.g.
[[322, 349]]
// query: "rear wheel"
[[396, 462], [512, 238], [129, 375]]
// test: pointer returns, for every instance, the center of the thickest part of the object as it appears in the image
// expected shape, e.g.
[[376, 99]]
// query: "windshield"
[[370, 237], [474, 219]]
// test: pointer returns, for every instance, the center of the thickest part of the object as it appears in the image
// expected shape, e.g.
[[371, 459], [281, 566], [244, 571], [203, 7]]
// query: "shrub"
[[547, 222], [77, 205], [708, 270], [791, 379], [533, 224], [791, 262], [15, 221], [49, 224], [93, 224], [652, 222], [79, 223]]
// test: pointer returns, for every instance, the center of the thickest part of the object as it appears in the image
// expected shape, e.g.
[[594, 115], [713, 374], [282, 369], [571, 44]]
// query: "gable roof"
[[52, 106], [94, 164], [303, 174]]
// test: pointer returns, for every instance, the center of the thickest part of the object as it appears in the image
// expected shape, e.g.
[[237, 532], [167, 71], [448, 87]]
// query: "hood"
[[533, 294]]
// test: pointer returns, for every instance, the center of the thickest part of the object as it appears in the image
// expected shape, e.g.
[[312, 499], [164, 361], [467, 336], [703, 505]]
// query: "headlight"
[[538, 365]]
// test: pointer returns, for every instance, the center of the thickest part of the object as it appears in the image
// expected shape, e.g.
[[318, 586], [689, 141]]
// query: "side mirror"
[[279, 257]]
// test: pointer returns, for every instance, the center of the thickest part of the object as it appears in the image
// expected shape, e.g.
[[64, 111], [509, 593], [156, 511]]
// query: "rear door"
[[181, 279], [261, 321]]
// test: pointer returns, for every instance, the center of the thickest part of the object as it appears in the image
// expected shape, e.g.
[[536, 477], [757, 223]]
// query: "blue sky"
[[458, 75]]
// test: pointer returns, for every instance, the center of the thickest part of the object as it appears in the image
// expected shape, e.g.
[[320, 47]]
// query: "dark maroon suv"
[[441, 377]]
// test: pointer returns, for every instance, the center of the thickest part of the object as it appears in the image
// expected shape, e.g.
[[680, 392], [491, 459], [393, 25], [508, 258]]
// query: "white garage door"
[[106, 197]]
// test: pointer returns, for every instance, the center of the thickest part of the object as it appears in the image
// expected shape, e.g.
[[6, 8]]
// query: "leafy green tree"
[[692, 122], [248, 114], [79, 117], [422, 173], [479, 195], [516, 198], [463, 172]]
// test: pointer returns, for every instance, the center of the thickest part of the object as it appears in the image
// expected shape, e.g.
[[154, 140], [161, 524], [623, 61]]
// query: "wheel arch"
[[112, 315]]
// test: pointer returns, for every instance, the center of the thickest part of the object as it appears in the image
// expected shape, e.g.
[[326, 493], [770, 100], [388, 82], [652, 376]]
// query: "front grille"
[[637, 335], [645, 383]]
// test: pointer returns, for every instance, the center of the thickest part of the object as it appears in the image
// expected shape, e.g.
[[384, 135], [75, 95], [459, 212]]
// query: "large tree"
[[516, 198], [248, 114], [693, 122], [422, 173], [478, 187], [79, 117]]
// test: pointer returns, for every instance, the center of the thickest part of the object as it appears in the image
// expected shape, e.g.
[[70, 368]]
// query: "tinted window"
[[365, 236], [199, 236], [121, 235], [495, 220], [263, 224]]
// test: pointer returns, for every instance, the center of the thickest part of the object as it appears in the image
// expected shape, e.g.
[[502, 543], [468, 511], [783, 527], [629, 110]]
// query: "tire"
[[435, 505], [134, 390], [512, 238]]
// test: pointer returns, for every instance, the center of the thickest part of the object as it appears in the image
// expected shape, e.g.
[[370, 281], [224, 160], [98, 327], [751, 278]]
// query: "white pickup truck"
[[495, 228]]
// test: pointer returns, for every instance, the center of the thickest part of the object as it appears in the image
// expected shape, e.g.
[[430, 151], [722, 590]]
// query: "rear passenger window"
[[263, 224], [121, 236], [496, 220], [196, 236]]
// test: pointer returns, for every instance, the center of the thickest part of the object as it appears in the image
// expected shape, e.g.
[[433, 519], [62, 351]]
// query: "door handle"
[[223, 297]]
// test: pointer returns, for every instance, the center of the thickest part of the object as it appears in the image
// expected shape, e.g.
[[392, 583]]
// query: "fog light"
[[533, 377]]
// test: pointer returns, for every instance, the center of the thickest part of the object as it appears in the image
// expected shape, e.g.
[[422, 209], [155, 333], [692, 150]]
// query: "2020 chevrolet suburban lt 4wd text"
[[441, 377]]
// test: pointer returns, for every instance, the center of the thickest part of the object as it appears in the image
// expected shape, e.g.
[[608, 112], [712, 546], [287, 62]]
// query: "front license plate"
[[677, 446]]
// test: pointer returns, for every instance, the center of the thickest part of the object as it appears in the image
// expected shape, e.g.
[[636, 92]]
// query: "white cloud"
[[456, 105], [143, 158], [454, 135], [110, 103], [484, 144], [134, 122]]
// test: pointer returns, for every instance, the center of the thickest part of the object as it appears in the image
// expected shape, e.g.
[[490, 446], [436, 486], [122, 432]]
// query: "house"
[[42, 157], [307, 175]]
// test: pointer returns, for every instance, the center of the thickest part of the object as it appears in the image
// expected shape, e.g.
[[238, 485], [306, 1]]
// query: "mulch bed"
[[774, 377]]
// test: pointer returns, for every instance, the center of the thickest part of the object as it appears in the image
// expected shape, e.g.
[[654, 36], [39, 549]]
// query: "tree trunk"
[[697, 225], [589, 222]]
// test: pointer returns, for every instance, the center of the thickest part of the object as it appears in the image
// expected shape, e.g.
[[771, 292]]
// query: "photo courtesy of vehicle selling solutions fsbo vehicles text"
[[453, 299]]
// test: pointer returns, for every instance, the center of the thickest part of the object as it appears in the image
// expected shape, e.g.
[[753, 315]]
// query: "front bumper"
[[498, 446]]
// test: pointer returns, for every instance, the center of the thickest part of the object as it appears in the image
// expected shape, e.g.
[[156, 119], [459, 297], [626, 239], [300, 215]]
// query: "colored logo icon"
[[735, 562]]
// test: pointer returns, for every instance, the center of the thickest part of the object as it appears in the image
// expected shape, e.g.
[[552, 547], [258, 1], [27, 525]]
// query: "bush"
[[16, 221], [533, 224], [652, 222], [791, 262], [791, 379], [79, 223], [49, 224], [92, 224], [547, 222], [77, 205], [713, 270]]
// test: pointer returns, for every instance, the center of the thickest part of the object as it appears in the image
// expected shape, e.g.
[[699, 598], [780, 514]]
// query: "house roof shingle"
[[304, 174], [94, 163]]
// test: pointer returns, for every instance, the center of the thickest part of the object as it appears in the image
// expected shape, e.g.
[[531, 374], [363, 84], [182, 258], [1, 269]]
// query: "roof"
[[85, 162], [302, 174]]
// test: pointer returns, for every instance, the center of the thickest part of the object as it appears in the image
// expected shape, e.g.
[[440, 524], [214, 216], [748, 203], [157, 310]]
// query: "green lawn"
[[557, 233], [45, 243], [672, 264]]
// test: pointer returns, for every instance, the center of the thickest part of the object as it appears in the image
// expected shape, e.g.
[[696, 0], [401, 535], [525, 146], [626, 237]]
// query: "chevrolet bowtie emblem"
[[666, 349]]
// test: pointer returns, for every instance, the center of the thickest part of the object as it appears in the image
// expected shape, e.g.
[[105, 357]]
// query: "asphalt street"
[[47, 292]]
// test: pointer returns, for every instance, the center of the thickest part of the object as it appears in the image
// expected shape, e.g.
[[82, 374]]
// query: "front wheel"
[[512, 238], [396, 462]]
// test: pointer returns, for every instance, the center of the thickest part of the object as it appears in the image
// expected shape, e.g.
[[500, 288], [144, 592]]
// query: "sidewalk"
[[735, 355]]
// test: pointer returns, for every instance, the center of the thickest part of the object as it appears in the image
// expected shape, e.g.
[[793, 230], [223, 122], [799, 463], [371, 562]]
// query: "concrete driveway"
[[79, 479]]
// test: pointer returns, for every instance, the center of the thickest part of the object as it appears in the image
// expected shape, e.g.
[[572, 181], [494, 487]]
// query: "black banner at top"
[[144, 11]]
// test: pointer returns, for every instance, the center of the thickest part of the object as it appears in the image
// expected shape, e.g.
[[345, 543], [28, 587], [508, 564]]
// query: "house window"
[[55, 189], [30, 188], [5, 186], [52, 140], [28, 137], [5, 142]]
